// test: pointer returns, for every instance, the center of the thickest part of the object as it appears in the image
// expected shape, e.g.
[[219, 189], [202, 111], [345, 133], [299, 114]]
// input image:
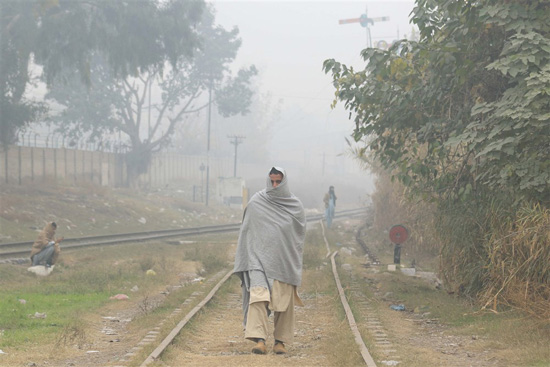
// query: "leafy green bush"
[[146, 263]]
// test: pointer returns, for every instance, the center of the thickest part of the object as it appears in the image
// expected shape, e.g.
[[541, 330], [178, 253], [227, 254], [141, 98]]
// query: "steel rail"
[[169, 339], [367, 358], [17, 249], [155, 354]]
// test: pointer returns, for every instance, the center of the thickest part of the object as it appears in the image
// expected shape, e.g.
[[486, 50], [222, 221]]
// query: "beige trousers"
[[282, 301]]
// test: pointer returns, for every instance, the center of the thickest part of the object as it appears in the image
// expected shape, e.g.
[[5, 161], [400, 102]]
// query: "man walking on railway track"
[[269, 262]]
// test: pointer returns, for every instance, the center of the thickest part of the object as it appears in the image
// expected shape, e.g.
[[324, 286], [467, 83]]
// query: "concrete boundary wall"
[[166, 167], [23, 165]]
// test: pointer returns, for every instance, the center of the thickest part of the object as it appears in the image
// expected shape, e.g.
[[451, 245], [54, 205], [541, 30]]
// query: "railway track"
[[10, 251], [233, 303], [202, 325], [158, 343]]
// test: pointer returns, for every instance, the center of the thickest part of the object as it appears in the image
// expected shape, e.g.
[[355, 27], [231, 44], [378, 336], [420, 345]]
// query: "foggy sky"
[[288, 42]]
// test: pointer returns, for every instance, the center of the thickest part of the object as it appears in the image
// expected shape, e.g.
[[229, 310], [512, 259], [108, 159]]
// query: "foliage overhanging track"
[[17, 249]]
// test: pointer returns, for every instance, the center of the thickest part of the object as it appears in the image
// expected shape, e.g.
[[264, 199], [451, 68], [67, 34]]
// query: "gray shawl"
[[272, 234]]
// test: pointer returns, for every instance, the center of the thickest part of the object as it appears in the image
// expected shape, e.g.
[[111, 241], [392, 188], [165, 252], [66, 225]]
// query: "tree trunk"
[[137, 162]]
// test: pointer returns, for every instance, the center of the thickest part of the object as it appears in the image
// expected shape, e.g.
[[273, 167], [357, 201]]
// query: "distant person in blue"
[[330, 204]]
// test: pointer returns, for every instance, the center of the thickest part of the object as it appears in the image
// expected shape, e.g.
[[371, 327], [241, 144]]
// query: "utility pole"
[[365, 21], [208, 142], [323, 171], [236, 141], [149, 168], [202, 168], [149, 117]]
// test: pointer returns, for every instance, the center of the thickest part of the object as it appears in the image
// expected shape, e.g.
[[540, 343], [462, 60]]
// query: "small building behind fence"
[[232, 192]]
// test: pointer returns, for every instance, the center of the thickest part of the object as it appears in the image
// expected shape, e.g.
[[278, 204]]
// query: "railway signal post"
[[398, 235], [365, 22]]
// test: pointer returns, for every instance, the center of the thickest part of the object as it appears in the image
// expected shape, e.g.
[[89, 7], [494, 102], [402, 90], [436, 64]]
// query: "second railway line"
[[19, 249]]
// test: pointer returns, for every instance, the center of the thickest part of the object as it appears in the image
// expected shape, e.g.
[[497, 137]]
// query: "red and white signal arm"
[[398, 234]]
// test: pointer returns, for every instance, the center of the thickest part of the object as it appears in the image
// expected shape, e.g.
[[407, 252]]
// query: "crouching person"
[[45, 250]]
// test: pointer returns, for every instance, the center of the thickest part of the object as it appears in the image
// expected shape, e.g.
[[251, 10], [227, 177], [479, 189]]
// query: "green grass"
[[82, 283], [211, 256], [67, 292], [19, 324], [314, 250]]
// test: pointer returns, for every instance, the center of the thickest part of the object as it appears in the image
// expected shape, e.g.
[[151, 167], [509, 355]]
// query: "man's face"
[[276, 179]]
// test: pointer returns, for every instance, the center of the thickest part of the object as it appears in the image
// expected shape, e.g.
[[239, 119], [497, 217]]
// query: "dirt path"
[[216, 339], [322, 338], [414, 338], [322, 335]]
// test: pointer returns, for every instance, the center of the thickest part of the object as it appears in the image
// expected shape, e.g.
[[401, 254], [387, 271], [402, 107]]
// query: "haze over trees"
[[462, 119], [101, 61], [111, 105], [57, 35]]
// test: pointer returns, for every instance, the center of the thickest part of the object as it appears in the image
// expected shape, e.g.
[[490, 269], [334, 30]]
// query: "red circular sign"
[[398, 234]]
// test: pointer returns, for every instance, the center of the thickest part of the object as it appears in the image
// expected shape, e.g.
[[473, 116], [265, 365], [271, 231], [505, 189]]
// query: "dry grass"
[[10, 209], [74, 333], [146, 263], [519, 264], [92, 210], [486, 251]]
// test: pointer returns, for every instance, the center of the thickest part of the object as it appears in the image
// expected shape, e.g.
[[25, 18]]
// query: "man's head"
[[277, 183], [276, 177]]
